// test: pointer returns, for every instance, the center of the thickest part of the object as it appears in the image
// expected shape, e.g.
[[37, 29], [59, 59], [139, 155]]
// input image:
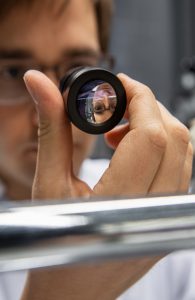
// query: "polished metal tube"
[[42, 234]]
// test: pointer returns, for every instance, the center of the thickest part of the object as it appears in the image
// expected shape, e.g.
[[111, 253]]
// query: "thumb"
[[54, 159]]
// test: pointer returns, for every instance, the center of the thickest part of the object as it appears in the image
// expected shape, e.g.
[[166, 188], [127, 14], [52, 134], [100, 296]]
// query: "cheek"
[[6, 128], [11, 129]]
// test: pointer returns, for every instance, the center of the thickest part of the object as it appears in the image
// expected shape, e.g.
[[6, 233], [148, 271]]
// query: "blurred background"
[[157, 47]]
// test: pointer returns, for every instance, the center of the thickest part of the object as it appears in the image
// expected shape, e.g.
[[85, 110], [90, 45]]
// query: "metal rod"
[[42, 234]]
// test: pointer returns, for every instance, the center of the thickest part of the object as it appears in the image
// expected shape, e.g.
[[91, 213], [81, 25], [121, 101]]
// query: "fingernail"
[[29, 85]]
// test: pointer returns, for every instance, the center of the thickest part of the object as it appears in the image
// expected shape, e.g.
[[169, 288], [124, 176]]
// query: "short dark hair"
[[103, 10]]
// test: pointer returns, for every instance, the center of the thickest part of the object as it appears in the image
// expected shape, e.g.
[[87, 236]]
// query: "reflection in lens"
[[96, 101]]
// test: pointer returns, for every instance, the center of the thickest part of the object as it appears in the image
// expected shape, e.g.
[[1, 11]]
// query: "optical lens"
[[96, 101]]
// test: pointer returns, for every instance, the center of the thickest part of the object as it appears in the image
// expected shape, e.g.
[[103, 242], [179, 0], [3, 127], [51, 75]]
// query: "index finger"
[[142, 108]]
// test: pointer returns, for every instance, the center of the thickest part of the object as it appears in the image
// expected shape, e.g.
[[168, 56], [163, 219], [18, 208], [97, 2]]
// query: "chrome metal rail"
[[43, 234]]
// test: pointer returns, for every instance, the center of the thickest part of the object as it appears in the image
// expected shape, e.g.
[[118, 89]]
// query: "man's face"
[[104, 103], [38, 35]]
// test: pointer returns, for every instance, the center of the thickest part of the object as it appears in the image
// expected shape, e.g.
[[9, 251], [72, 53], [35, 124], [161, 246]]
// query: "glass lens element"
[[96, 101]]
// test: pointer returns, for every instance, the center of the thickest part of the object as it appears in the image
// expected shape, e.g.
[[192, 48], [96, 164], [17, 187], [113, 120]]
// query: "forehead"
[[45, 30]]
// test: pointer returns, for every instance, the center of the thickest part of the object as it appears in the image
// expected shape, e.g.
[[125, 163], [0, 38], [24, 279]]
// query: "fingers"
[[171, 172], [187, 170], [55, 141], [141, 104], [138, 156], [114, 136], [154, 156]]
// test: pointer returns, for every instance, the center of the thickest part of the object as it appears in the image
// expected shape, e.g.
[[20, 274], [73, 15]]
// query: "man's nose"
[[106, 101]]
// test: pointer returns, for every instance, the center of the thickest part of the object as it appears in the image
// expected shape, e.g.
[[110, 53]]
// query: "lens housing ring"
[[75, 80]]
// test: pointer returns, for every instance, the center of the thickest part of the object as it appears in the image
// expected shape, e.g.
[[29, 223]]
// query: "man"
[[54, 36]]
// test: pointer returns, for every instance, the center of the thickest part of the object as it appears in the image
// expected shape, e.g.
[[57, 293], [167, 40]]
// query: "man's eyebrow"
[[72, 53], [15, 54]]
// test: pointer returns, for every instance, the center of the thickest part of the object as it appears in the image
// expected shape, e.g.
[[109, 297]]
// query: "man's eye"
[[13, 72], [77, 65], [98, 109]]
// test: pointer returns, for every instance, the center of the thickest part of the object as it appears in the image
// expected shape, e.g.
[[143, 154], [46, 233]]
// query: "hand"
[[153, 153]]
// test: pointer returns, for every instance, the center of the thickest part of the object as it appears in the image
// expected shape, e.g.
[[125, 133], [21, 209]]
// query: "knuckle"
[[181, 133], [44, 129], [145, 90], [157, 135], [190, 150]]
